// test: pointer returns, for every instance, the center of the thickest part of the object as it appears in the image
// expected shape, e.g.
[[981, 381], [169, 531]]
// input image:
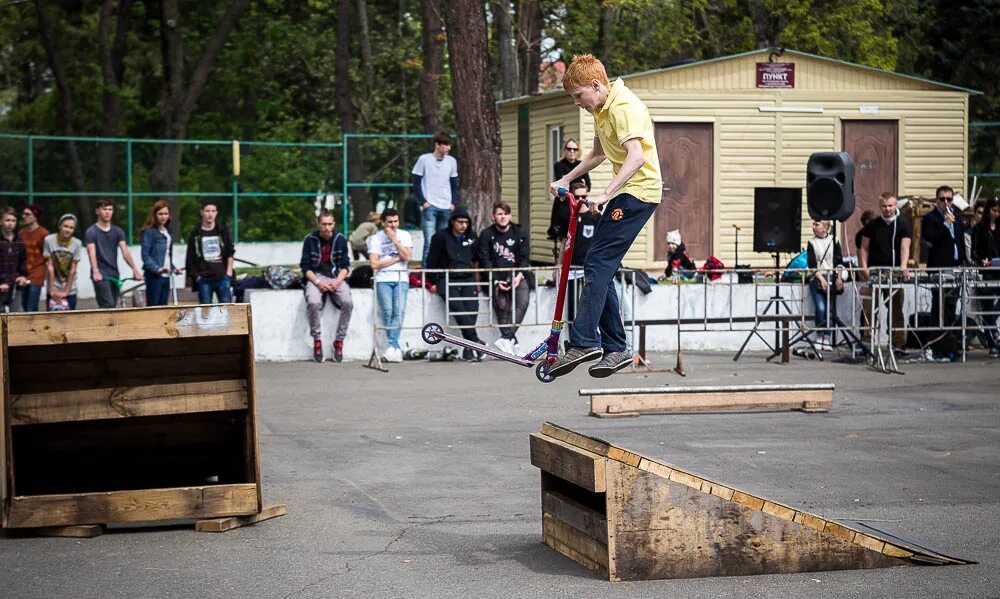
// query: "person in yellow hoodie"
[[625, 137]]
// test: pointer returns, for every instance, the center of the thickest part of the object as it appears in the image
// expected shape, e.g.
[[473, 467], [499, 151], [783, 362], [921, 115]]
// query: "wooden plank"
[[593, 550], [6, 453], [573, 438], [226, 524], [125, 402], [83, 531], [252, 442], [133, 506], [578, 466], [668, 401], [91, 326], [577, 515], [660, 529], [129, 349]]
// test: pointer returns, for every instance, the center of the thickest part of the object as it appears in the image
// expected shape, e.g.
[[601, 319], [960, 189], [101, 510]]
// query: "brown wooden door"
[[874, 147], [685, 151]]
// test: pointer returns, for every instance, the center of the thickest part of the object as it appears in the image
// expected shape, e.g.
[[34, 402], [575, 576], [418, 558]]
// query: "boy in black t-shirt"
[[209, 260], [885, 242]]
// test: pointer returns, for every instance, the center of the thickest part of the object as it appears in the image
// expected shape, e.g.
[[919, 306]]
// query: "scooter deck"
[[489, 351]]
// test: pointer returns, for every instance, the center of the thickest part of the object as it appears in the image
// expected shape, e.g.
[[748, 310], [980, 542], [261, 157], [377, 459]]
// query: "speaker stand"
[[776, 302]]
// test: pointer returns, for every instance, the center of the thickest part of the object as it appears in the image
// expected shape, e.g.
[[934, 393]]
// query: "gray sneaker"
[[573, 357], [611, 363]]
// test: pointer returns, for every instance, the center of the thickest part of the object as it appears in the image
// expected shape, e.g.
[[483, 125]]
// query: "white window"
[[555, 144]]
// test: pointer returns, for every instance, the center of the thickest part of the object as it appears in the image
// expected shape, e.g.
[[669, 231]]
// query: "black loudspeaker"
[[830, 186], [777, 219]]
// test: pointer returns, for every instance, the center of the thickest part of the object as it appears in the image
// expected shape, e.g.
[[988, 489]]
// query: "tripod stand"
[[775, 304], [834, 323]]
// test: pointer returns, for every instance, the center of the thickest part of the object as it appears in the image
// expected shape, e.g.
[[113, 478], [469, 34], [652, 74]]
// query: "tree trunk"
[[112, 59], [367, 68], [358, 197], [180, 96], [65, 111], [529, 43], [505, 49], [432, 34], [476, 119], [605, 31]]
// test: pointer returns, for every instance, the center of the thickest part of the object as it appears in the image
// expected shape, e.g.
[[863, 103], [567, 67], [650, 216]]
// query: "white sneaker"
[[393, 354], [505, 345]]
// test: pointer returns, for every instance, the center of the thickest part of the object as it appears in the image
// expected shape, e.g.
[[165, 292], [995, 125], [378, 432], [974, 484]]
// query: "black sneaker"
[[611, 363], [472, 355], [317, 351], [338, 351], [573, 357]]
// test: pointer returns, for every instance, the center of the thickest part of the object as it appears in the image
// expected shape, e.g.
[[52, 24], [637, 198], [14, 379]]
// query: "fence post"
[[128, 182], [31, 170], [236, 192], [343, 178]]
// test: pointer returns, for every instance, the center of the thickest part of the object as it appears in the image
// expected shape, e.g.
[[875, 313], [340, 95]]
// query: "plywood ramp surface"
[[661, 521]]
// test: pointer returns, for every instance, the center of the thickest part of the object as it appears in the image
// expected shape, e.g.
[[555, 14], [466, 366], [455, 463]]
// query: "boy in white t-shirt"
[[389, 251], [435, 183]]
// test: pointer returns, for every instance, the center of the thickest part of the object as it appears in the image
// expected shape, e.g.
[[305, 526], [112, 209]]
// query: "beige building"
[[729, 125]]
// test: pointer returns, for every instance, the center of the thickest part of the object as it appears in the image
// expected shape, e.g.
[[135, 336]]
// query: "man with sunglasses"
[[559, 221], [943, 235]]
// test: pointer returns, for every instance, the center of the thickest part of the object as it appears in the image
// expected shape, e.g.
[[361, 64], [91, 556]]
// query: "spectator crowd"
[[33, 260]]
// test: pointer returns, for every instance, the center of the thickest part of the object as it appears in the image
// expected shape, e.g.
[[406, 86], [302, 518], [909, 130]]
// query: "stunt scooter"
[[434, 333]]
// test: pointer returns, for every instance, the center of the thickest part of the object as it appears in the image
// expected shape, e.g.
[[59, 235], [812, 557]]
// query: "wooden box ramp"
[[623, 402], [629, 517], [128, 416]]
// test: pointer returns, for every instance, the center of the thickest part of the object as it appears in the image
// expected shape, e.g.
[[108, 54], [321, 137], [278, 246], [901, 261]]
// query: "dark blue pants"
[[598, 320], [220, 288], [157, 289]]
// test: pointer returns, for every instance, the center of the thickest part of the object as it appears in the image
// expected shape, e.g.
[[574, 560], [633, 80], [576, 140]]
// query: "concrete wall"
[[281, 330]]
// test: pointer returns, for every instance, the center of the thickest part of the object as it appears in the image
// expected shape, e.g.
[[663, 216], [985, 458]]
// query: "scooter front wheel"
[[542, 372], [431, 333]]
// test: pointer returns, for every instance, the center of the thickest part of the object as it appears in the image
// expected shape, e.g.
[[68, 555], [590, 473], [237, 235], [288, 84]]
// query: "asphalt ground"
[[417, 483]]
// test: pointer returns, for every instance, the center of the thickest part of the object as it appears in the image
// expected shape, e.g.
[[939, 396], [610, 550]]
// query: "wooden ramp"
[[629, 517], [617, 403]]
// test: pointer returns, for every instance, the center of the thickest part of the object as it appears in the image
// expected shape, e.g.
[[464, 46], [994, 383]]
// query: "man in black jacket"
[[325, 264], [209, 262], [944, 235], [454, 247], [505, 245]]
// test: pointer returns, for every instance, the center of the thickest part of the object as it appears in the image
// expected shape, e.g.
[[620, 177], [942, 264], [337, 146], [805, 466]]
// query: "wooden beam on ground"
[[605, 403], [227, 524], [126, 402], [181, 503], [91, 326], [653, 520], [81, 531]]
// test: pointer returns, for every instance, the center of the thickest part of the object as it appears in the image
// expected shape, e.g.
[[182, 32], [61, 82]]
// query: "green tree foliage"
[[274, 80]]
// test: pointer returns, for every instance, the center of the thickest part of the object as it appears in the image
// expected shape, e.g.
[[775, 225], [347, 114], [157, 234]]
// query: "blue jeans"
[[157, 289], [598, 315], [434, 219], [391, 298], [221, 289], [819, 300], [70, 300], [30, 294]]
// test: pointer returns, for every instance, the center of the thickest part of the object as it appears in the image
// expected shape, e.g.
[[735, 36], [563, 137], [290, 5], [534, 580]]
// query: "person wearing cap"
[[33, 235], [454, 247], [62, 252], [625, 135], [677, 256]]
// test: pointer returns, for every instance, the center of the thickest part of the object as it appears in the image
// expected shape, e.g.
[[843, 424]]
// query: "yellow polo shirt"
[[623, 117]]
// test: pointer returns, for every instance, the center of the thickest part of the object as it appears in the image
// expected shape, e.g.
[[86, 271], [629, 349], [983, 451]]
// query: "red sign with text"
[[776, 75]]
